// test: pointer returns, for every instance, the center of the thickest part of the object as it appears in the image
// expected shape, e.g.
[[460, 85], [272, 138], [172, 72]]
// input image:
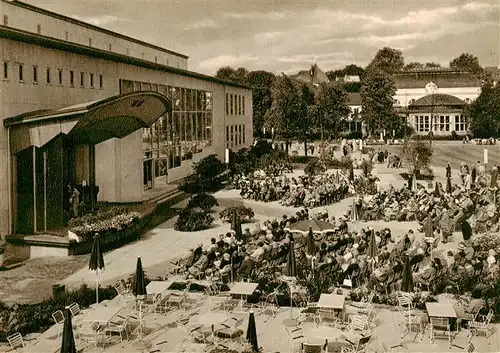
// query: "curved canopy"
[[437, 100], [93, 122]]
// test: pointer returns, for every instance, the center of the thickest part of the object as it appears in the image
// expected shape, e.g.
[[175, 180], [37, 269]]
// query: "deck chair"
[[16, 341]]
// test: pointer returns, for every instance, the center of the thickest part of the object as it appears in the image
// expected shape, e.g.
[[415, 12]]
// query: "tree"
[[468, 63], [285, 109], [387, 60], [484, 112], [349, 70], [306, 120], [432, 65], [413, 65], [377, 100], [229, 74], [417, 156], [332, 108], [261, 83]]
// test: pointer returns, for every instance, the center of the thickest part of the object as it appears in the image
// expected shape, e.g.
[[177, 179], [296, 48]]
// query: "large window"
[[444, 123], [422, 123], [177, 136], [460, 123]]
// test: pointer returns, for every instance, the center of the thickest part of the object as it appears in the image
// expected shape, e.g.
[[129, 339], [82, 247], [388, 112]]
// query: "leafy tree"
[[387, 60], [306, 120], [484, 112], [417, 156], [349, 70], [285, 109], [413, 65], [332, 108], [377, 100], [432, 65], [229, 74], [261, 83], [468, 63]]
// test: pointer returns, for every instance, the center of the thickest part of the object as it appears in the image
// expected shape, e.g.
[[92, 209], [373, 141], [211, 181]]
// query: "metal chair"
[[440, 327], [482, 326], [16, 341], [58, 317], [359, 347], [124, 293], [311, 348]]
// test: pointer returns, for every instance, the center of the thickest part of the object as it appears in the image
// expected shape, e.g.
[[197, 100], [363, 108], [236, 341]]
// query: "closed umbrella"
[[237, 228], [437, 193], [96, 262], [407, 283], [372, 248], [139, 288], [291, 273], [233, 221], [351, 174], [354, 212], [494, 177], [252, 333], [68, 338], [448, 185], [414, 183]]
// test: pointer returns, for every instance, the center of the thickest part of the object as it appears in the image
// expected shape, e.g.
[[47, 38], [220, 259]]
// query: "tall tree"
[[467, 62], [377, 100], [287, 105], [305, 120], [332, 108], [234, 75], [387, 60], [261, 83], [484, 112]]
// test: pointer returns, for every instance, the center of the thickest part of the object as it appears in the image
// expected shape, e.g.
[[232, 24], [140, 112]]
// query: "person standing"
[[448, 170], [75, 201]]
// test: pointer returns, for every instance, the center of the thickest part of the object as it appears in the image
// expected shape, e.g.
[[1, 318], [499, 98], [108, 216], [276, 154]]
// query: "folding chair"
[[482, 326], [16, 341]]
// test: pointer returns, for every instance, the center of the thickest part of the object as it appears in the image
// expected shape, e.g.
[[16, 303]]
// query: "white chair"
[[360, 346], [296, 338], [440, 327], [482, 326], [74, 309], [119, 327], [16, 341], [124, 293], [58, 317]]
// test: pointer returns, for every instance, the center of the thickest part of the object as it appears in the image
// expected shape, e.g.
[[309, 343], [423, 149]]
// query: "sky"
[[288, 36]]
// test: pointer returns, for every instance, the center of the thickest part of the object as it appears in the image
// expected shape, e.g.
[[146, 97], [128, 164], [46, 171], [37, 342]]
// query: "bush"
[[101, 215], [301, 159], [30, 318], [106, 227], [417, 156], [245, 213], [204, 201], [314, 167], [206, 176], [192, 220]]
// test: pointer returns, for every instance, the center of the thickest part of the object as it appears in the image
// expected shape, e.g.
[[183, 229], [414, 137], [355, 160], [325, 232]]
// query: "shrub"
[[204, 201], [106, 226], [192, 220], [101, 215], [417, 156], [30, 318], [314, 167], [245, 213], [206, 176]]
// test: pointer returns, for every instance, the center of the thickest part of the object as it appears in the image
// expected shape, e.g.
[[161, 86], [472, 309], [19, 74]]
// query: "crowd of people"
[[303, 191]]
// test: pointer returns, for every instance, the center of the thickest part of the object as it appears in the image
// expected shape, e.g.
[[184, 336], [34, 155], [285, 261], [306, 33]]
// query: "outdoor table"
[[243, 289], [158, 287], [335, 337], [331, 301], [102, 315], [422, 347], [212, 318], [443, 310]]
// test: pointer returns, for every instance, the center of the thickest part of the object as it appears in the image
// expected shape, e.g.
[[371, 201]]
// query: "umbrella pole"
[[97, 286]]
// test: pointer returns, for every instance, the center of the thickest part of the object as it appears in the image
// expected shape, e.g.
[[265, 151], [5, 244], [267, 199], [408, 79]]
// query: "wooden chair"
[[58, 317], [16, 341], [359, 347], [439, 327]]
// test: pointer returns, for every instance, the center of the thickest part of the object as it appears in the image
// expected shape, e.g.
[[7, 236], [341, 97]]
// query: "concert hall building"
[[84, 106]]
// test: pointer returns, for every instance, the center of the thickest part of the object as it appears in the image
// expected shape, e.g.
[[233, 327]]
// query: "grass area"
[[455, 153]]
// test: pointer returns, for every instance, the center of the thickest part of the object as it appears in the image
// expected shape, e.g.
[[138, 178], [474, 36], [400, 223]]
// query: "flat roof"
[[90, 26], [58, 44]]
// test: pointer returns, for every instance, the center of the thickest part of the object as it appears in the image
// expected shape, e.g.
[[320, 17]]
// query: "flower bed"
[[105, 227]]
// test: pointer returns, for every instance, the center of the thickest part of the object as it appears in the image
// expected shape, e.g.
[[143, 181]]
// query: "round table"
[[324, 333]]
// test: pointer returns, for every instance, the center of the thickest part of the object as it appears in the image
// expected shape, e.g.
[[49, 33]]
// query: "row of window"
[[66, 37], [85, 79], [235, 104], [235, 135], [441, 123], [177, 136]]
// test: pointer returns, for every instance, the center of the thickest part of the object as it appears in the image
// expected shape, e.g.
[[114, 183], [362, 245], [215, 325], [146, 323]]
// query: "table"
[[213, 318], [103, 314], [243, 288], [158, 287], [331, 301], [324, 333], [445, 310]]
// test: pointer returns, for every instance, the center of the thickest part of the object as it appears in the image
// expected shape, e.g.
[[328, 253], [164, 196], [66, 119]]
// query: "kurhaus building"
[[434, 99], [84, 106]]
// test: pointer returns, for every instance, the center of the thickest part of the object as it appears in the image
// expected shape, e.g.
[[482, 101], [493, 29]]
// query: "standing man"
[[448, 170]]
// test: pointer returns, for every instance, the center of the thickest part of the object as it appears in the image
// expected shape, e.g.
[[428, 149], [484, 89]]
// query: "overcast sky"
[[289, 35]]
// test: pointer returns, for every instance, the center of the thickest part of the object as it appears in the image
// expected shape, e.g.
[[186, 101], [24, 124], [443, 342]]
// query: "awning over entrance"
[[91, 123]]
